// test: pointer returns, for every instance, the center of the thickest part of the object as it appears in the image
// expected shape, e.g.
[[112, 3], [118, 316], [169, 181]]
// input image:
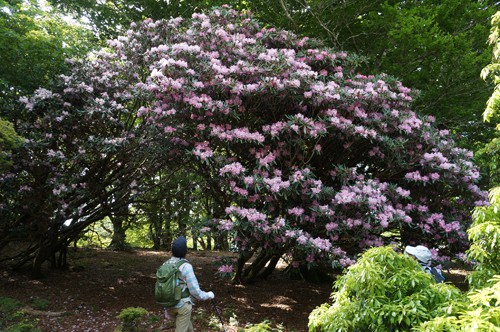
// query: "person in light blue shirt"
[[423, 255], [182, 311]]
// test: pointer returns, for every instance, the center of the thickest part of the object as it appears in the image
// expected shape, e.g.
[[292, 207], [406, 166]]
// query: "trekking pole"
[[217, 311]]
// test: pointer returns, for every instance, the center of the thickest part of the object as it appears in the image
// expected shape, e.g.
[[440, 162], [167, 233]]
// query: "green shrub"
[[482, 314], [132, 318], [385, 291], [23, 327], [260, 327], [484, 235], [40, 304], [483, 310], [7, 304]]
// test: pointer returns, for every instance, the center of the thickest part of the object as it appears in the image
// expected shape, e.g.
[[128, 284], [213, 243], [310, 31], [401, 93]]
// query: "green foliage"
[[442, 44], [132, 318], [34, 44], [138, 234], [8, 305], [384, 291], [260, 327], [109, 17], [153, 319], [482, 314], [9, 140], [491, 73], [132, 314], [12, 320], [483, 310], [97, 235], [40, 304], [23, 327], [180, 200], [484, 235]]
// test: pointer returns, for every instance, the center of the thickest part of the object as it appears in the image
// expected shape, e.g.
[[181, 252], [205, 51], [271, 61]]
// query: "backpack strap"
[[180, 262], [185, 291]]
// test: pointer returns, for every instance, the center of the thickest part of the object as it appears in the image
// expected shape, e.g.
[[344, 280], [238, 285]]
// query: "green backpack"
[[168, 292]]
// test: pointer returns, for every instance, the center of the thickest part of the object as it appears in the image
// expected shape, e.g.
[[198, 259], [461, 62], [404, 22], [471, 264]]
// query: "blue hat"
[[179, 247]]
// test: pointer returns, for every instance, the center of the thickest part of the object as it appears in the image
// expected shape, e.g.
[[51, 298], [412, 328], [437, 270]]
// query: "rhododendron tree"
[[86, 157], [311, 161]]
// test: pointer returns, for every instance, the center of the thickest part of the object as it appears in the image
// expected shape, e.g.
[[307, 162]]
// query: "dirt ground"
[[100, 283]]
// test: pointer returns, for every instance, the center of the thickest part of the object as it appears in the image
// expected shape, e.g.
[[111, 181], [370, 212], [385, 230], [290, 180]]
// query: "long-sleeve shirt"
[[188, 279]]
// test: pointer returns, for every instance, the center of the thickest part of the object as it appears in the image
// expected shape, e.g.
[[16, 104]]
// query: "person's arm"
[[192, 284]]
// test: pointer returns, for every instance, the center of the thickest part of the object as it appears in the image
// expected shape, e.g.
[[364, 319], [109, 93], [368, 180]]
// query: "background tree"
[[491, 114], [109, 18], [77, 166], [486, 227], [9, 140], [34, 44]]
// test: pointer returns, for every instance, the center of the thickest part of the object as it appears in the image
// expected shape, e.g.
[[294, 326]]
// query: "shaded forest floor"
[[101, 283]]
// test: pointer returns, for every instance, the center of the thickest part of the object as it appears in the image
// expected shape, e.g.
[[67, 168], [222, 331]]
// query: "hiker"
[[191, 289], [423, 256]]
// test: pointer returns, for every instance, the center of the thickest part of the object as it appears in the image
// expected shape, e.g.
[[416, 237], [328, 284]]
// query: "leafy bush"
[[483, 310], [485, 248], [482, 314], [260, 327], [385, 291], [131, 318]]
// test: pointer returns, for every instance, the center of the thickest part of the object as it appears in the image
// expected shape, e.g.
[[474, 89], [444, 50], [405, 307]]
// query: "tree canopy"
[[435, 47], [34, 43], [491, 114]]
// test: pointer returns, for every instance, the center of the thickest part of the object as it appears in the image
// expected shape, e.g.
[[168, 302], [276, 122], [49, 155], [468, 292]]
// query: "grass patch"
[[12, 319]]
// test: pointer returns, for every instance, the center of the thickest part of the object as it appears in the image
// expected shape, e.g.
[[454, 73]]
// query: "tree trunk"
[[153, 231], [270, 267], [44, 252], [313, 275], [195, 239], [118, 241], [36, 267], [209, 241], [221, 243], [243, 257], [253, 271]]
